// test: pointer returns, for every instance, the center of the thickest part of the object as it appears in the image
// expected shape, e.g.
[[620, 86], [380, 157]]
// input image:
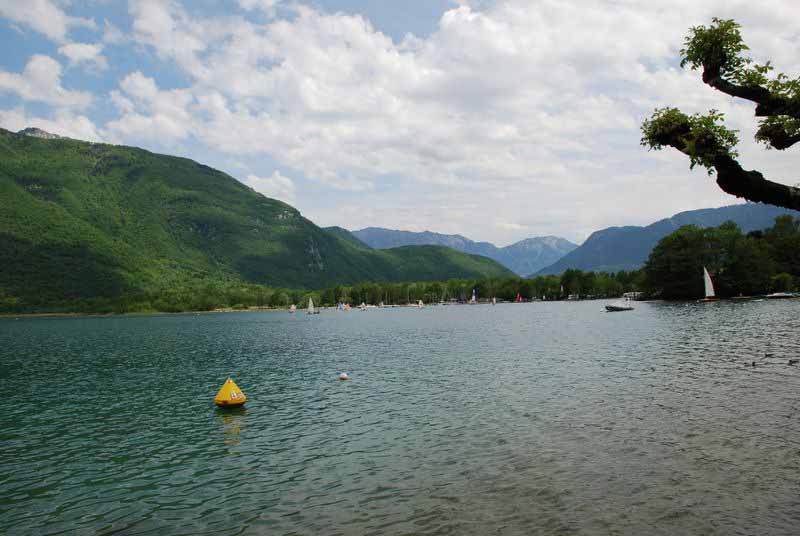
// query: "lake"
[[545, 418]]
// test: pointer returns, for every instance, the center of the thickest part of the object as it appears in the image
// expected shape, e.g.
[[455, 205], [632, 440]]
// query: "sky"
[[495, 119]]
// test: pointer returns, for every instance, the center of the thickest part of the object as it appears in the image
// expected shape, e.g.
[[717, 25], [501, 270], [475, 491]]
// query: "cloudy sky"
[[496, 119]]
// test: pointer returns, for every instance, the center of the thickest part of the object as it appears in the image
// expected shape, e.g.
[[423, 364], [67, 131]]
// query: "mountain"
[[346, 235], [530, 255], [627, 248], [83, 220], [39, 133], [524, 257]]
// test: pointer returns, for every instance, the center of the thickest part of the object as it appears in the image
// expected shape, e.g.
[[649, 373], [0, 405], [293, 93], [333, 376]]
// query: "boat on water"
[[311, 310], [780, 295], [618, 306], [293, 308], [709, 287]]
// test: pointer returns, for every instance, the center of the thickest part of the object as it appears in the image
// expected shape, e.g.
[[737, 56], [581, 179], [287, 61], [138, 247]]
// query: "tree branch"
[[768, 103], [777, 136], [731, 177], [752, 185], [718, 50]]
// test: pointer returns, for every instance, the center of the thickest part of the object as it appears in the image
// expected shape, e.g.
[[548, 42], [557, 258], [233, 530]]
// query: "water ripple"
[[550, 418]]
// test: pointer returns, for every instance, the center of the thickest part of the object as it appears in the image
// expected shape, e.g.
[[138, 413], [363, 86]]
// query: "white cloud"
[[532, 111], [150, 115], [511, 226], [41, 81], [85, 53], [275, 186], [113, 35], [43, 16], [174, 34], [63, 123], [267, 6]]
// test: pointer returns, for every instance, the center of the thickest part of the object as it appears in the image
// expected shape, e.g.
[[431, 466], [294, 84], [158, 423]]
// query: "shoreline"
[[144, 313], [4, 316]]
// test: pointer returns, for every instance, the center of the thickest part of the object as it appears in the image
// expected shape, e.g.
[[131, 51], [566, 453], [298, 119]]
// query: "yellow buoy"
[[229, 395]]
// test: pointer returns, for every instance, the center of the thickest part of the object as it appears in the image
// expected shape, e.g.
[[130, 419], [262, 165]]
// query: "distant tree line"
[[213, 295], [551, 287], [740, 264]]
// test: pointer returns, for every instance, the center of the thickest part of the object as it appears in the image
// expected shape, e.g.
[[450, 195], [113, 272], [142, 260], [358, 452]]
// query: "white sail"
[[310, 305], [708, 283]]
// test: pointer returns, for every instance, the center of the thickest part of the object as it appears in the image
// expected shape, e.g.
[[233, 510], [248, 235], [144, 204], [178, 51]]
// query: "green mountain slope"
[[346, 235], [81, 220]]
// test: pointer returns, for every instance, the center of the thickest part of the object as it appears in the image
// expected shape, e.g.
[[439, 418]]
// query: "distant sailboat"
[[709, 286], [293, 308], [473, 300], [311, 309]]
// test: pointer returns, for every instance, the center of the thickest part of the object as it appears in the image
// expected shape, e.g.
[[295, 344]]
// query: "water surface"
[[547, 418]]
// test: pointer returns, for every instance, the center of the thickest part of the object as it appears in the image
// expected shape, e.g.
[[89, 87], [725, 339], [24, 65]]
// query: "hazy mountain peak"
[[523, 257]]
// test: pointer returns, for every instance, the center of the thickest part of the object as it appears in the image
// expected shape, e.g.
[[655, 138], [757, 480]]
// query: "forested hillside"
[[82, 221]]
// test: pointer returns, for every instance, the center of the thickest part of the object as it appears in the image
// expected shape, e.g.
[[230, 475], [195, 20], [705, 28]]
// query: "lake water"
[[545, 418]]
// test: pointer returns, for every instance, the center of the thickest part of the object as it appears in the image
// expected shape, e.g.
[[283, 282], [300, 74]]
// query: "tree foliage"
[[704, 137], [720, 52], [740, 264]]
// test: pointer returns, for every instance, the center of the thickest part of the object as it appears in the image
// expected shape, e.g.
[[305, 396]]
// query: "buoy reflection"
[[232, 424]]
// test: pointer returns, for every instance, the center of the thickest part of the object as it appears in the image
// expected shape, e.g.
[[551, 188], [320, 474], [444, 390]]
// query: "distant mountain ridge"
[[523, 258], [627, 248]]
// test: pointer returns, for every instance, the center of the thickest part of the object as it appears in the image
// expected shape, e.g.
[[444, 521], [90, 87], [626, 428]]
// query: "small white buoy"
[[344, 376]]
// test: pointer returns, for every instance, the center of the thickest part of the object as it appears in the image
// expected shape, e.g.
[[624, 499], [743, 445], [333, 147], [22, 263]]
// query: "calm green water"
[[550, 418]]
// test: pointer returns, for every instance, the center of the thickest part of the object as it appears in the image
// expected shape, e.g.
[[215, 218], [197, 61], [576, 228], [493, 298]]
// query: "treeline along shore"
[[741, 265], [216, 295]]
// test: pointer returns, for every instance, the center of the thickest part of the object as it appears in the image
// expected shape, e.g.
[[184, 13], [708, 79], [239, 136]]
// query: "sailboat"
[[293, 308], [709, 287], [311, 309]]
